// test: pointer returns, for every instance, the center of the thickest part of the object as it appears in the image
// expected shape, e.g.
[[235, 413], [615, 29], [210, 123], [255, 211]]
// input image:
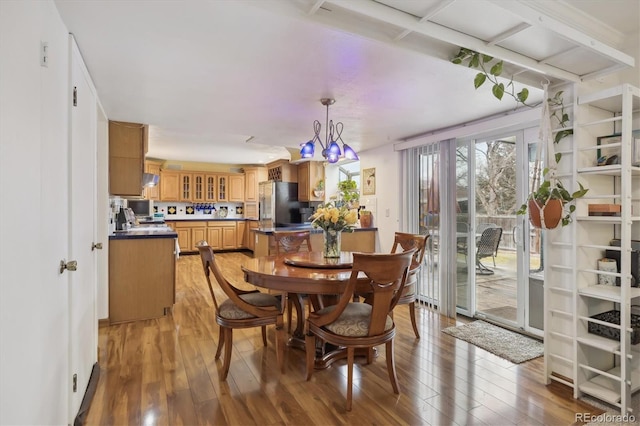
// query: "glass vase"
[[331, 243]]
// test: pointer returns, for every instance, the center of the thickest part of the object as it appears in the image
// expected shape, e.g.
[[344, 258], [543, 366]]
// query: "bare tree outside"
[[495, 178]]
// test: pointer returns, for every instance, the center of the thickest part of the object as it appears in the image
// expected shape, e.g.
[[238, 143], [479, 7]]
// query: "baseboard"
[[104, 322]]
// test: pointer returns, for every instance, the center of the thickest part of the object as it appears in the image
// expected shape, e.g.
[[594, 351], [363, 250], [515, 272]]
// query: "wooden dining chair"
[[292, 242], [242, 309], [361, 325], [403, 242]]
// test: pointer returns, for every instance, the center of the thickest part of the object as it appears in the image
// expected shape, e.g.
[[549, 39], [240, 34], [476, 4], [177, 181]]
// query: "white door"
[[83, 323]]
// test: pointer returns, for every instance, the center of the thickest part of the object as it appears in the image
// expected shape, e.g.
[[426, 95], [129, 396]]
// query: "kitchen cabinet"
[[236, 188], [282, 171], [252, 177], [210, 188], [201, 187], [169, 185], [127, 148], [251, 210], [241, 227], [198, 183], [189, 233], [309, 174], [250, 235], [222, 188], [142, 274], [186, 186], [153, 167], [221, 235]]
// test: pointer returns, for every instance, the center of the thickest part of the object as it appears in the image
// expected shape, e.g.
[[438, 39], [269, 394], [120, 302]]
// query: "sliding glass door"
[[492, 242]]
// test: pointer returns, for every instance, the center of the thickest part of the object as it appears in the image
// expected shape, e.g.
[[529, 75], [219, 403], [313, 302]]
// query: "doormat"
[[506, 344]]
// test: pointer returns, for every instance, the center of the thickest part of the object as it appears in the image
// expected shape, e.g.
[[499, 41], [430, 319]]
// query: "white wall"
[[388, 197], [34, 382]]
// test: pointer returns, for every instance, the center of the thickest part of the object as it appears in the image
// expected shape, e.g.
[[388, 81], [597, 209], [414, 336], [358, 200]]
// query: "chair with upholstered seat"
[[242, 309], [404, 241], [292, 242], [362, 325]]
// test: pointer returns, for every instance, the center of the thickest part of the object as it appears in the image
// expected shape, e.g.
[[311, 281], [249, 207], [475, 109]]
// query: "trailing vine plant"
[[490, 70]]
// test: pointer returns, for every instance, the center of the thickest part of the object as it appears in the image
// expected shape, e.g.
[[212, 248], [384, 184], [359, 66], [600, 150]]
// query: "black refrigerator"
[[279, 205]]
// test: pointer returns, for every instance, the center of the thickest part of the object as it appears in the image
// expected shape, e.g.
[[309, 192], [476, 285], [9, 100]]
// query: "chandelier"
[[330, 149]]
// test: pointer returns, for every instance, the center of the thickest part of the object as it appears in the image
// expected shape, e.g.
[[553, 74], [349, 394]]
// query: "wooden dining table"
[[322, 279]]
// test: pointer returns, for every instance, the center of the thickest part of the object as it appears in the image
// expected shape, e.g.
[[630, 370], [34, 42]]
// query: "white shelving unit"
[[605, 368], [558, 250]]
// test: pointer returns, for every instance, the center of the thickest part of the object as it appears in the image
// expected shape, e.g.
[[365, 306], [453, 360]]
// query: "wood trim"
[[104, 322]]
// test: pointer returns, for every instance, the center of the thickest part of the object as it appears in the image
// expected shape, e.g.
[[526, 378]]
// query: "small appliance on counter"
[[125, 219], [306, 213]]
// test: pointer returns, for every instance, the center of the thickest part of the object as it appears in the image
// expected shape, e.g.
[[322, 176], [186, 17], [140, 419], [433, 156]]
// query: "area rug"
[[499, 341]]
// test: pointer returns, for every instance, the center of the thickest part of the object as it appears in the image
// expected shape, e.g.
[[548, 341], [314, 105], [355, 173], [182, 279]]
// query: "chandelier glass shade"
[[330, 148]]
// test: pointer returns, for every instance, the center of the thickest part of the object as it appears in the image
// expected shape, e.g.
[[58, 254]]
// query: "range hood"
[[149, 179]]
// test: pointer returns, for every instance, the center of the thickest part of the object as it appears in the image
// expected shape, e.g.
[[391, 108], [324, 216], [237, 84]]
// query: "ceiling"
[[239, 82]]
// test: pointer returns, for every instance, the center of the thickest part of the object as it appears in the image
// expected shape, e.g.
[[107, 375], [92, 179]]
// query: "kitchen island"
[[361, 239], [142, 273]]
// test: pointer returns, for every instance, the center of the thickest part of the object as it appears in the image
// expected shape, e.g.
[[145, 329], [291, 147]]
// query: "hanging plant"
[[490, 73], [548, 202]]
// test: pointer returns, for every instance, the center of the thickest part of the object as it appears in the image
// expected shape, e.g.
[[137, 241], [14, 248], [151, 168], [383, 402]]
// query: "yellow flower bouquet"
[[333, 220], [330, 217]]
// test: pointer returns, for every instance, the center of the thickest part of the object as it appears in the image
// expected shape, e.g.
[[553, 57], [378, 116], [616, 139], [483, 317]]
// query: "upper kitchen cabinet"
[[309, 174], [253, 176], [127, 148], [236, 188], [282, 171], [170, 185], [153, 167], [210, 188], [231, 188]]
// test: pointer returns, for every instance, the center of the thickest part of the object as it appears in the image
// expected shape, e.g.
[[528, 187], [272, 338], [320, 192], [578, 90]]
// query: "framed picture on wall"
[[369, 181]]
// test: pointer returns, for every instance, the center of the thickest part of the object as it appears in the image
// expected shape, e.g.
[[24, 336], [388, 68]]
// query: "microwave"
[[141, 207]]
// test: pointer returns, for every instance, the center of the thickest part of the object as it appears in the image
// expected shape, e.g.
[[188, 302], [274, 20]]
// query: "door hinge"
[[75, 383], [75, 96]]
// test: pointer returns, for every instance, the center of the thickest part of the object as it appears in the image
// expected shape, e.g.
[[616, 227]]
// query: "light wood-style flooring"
[[163, 372]]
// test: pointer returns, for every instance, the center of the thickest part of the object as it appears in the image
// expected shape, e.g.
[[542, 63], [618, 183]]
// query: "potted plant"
[[349, 193], [548, 205], [318, 191], [548, 201]]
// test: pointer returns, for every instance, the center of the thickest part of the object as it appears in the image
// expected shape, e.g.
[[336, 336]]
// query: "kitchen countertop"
[[144, 232]]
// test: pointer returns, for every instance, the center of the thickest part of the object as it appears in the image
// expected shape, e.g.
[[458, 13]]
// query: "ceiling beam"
[[543, 20], [510, 32], [430, 14], [404, 20]]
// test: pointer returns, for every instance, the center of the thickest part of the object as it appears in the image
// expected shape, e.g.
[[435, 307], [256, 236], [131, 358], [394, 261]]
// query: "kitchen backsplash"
[[173, 210]]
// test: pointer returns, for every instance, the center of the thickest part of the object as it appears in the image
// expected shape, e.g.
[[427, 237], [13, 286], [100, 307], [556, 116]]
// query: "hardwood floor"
[[163, 372]]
